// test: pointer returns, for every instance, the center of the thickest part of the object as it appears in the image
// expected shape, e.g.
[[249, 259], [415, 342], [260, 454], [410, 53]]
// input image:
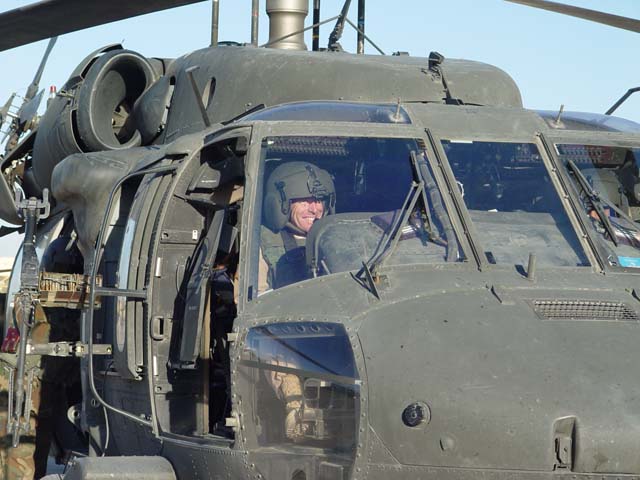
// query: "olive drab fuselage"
[[460, 311]]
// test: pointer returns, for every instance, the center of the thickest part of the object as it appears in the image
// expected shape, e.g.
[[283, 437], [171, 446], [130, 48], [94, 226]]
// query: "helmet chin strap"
[[295, 230]]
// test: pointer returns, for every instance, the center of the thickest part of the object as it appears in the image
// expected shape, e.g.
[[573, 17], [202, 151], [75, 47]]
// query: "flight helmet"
[[294, 180]]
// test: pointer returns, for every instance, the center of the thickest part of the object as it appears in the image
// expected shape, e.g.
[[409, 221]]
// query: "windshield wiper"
[[449, 237], [388, 245], [595, 200]]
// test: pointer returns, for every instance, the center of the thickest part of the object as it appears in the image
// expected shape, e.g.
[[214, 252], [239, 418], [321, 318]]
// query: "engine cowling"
[[93, 111]]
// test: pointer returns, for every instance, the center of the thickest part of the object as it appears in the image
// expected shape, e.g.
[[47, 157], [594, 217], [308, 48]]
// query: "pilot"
[[296, 195], [629, 177]]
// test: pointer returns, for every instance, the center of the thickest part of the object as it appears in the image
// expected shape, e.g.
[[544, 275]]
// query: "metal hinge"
[[233, 421], [67, 349], [232, 337]]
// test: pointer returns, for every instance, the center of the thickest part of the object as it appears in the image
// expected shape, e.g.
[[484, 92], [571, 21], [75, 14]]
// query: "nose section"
[[454, 385]]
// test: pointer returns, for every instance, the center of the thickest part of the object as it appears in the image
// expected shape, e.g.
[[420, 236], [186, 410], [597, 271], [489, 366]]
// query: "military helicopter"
[[236, 266]]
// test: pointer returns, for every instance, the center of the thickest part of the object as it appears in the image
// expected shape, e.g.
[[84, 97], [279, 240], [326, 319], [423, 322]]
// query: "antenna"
[[531, 267], [336, 34], [622, 99], [215, 21], [559, 116], [33, 88], [316, 26], [255, 19], [28, 111], [361, 19]]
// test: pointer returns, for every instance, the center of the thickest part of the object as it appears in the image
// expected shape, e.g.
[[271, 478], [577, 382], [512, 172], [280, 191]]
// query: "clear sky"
[[553, 58]]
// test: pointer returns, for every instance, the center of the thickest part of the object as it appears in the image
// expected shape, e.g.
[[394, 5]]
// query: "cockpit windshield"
[[513, 204], [330, 204], [607, 179]]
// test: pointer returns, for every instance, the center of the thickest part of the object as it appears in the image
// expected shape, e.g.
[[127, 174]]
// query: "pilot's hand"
[[293, 426]]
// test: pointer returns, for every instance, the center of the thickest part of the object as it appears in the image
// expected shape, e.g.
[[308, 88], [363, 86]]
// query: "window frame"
[[254, 171], [538, 141], [612, 139]]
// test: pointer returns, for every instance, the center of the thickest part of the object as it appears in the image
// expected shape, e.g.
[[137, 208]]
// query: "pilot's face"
[[305, 211]]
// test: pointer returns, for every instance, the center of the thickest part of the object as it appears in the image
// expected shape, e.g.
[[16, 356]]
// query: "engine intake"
[[94, 112]]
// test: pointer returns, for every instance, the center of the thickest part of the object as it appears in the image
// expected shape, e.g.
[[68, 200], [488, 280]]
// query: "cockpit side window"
[[514, 204], [607, 180], [304, 386]]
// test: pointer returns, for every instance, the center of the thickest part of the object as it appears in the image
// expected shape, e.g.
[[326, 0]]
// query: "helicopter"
[[279, 263]]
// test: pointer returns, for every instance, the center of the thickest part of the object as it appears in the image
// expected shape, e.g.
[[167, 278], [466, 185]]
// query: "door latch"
[[564, 434]]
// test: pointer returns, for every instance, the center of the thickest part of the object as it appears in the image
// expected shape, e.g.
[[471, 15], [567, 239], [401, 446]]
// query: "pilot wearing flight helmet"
[[296, 195]]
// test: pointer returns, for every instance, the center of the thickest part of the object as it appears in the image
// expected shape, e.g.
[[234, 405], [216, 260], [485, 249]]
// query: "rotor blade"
[[49, 18], [617, 21]]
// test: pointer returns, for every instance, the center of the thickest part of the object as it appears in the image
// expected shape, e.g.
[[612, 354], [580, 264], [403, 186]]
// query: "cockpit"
[[513, 203], [374, 197], [607, 182]]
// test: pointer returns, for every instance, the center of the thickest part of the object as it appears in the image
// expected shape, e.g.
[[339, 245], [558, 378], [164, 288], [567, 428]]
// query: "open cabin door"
[[193, 289], [218, 188]]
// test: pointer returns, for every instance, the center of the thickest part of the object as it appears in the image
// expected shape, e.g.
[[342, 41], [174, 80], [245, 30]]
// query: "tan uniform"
[[17, 463], [28, 460], [288, 389]]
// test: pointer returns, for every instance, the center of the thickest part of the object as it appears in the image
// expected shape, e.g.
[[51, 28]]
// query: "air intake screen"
[[584, 310]]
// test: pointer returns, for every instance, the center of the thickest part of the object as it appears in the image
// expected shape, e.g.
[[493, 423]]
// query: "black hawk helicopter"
[[257, 262]]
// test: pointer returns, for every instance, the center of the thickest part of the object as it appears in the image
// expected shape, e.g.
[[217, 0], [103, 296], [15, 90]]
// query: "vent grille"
[[584, 310]]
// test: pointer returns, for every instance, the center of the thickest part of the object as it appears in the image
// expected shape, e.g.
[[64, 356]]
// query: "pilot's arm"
[[263, 275], [288, 389]]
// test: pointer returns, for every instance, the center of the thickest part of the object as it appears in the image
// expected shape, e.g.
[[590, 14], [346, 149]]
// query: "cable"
[[104, 410], [97, 255]]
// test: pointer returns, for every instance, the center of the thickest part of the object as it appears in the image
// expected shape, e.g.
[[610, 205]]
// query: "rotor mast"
[[286, 26]]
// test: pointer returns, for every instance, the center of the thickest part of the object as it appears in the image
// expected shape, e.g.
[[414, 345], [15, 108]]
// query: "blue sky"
[[553, 58]]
